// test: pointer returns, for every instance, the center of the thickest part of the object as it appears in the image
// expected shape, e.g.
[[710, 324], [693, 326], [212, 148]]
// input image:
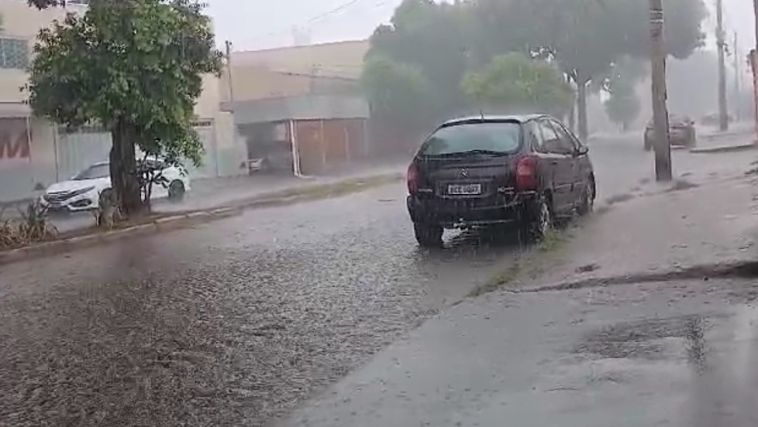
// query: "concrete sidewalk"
[[680, 227]]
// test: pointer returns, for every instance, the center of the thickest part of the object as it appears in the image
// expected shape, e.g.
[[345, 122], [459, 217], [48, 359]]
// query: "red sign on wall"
[[14, 141]]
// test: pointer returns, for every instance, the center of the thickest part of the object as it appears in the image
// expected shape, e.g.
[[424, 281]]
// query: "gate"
[[80, 149]]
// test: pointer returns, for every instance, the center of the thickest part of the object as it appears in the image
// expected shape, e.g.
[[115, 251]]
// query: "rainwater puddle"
[[651, 339]]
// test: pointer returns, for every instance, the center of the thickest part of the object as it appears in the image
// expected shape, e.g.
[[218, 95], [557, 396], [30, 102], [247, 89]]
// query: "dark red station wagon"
[[496, 170]]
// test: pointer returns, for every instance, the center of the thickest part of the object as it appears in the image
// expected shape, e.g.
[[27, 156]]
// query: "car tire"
[[537, 220], [428, 236], [587, 202], [176, 191]]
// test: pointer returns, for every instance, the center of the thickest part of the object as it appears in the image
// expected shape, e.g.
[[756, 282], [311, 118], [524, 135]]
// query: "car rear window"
[[496, 137]]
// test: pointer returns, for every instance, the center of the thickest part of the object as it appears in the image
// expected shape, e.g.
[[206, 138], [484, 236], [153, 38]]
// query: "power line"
[[333, 11], [316, 18], [321, 17]]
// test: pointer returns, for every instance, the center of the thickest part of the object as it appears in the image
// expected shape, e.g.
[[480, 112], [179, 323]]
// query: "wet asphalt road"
[[238, 321], [229, 323], [678, 354]]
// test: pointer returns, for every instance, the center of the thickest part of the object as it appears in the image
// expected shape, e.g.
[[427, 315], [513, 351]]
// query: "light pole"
[[658, 78], [721, 43]]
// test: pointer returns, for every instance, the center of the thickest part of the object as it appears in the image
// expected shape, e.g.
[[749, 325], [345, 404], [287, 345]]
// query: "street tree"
[[431, 37], [397, 92], [134, 67], [586, 37], [517, 83], [623, 105]]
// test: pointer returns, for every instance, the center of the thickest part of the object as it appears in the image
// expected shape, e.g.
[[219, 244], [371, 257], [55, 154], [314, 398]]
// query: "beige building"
[[35, 153], [301, 108]]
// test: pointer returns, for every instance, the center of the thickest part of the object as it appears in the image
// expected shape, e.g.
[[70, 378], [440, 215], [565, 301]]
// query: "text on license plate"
[[464, 189]]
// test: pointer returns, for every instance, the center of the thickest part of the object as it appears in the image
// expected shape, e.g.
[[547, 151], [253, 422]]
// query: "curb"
[[734, 269], [724, 148], [185, 219], [79, 242]]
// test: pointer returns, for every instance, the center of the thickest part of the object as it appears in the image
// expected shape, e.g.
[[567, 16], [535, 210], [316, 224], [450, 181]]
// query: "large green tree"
[[514, 82], [398, 93], [134, 67], [623, 105], [587, 37], [431, 37]]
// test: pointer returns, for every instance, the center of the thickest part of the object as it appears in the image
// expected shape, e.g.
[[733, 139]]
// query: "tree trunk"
[[572, 110], [123, 166], [572, 117], [581, 105]]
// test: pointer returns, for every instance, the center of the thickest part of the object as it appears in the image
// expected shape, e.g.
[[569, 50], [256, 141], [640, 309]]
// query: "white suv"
[[82, 192]]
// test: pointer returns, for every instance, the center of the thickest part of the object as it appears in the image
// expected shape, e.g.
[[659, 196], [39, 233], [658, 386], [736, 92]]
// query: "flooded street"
[[228, 323], [237, 322]]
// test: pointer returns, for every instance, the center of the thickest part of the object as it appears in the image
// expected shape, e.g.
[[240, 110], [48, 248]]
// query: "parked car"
[[82, 192], [681, 133], [492, 170]]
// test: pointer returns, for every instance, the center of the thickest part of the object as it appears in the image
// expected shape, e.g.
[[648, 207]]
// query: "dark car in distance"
[[681, 133], [493, 170]]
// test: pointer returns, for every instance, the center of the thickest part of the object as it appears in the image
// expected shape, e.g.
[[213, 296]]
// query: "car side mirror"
[[581, 151]]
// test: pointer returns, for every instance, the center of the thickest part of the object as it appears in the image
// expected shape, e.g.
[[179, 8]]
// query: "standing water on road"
[[418, 213]]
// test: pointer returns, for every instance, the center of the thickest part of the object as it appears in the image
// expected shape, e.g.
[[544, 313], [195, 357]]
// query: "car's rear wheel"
[[176, 191], [428, 236], [587, 203], [538, 220]]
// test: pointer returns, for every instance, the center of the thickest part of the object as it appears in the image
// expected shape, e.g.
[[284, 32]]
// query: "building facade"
[[35, 152], [300, 109]]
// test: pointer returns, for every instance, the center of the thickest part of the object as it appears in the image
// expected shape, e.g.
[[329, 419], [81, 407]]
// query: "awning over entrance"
[[308, 107]]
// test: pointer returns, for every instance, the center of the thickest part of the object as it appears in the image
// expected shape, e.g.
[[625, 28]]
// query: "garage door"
[[78, 150]]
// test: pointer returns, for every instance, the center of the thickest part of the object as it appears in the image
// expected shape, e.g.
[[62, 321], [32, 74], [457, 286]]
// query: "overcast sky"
[[258, 24]]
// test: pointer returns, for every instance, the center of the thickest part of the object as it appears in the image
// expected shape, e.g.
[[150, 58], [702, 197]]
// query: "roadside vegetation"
[[439, 59], [31, 227]]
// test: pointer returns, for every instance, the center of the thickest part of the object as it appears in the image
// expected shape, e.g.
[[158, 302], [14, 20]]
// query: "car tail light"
[[526, 173], [413, 177]]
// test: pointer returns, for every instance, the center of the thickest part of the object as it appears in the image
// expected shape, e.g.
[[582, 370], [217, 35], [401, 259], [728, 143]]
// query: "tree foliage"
[[584, 37], [623, 106], [516, 82], [133, 66], [398, 93], [428, 36]]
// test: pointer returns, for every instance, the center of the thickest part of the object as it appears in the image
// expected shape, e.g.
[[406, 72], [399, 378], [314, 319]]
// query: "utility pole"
[[723, 113], [229, 73], [737, 75], [658, 78], [754, 68]]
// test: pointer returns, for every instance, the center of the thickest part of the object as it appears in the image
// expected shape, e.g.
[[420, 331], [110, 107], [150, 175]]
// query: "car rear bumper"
[[463, 213]]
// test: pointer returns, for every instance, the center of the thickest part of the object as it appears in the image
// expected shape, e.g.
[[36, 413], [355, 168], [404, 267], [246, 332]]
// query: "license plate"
[[464, 189]]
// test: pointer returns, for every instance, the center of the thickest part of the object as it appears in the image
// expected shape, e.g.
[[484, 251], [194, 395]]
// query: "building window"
[[14, 53]]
